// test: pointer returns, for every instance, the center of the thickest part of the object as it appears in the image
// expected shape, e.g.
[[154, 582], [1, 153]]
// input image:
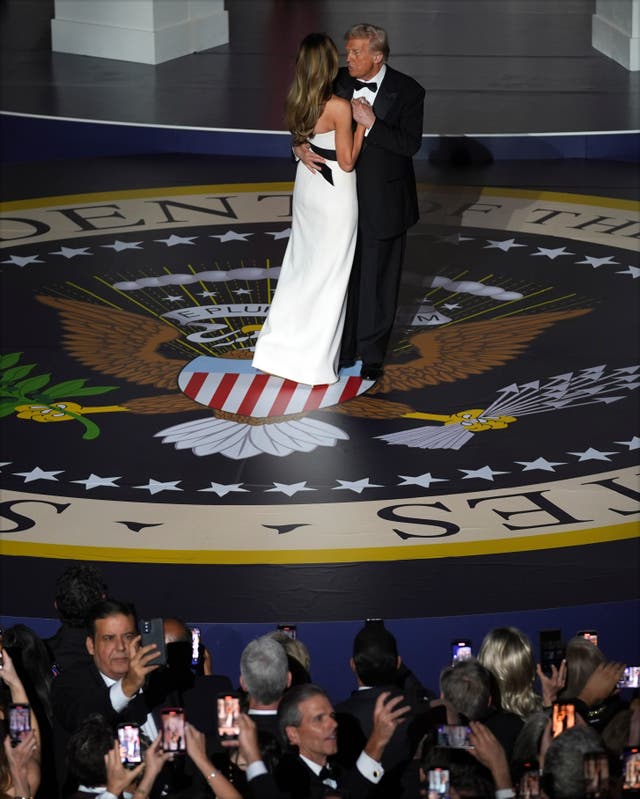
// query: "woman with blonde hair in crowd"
[[508, 654]]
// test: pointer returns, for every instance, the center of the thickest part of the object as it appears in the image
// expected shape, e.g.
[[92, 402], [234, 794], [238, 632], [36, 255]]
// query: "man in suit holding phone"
[[306, 719], [110, 683], [390, 105]]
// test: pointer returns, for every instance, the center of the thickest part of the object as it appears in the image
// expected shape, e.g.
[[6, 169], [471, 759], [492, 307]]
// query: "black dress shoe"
[[371, 371]]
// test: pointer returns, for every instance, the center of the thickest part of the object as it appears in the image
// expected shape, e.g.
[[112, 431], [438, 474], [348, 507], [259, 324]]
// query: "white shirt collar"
[[108, 681], [315, 767], [377, 79]]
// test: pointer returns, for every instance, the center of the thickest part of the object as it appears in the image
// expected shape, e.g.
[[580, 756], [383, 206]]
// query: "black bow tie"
[[360, 84], [326, 772]]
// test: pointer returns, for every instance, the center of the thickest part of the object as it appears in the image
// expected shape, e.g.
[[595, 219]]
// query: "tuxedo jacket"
[[355, 723], [67, 648], [505, 726], [80, 691], [293, 779], [387, 198], [77, 693]]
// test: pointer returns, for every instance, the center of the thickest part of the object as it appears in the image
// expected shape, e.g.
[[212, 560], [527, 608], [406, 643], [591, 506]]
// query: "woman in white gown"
[[300, 339]]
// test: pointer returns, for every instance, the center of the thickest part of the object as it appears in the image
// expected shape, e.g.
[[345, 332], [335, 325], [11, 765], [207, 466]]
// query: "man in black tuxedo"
[[122, 683], [390, 105], [307, 720], [178, 685], [466, 690], [265, 676], [77, 590], [110, 684], [375, 663]]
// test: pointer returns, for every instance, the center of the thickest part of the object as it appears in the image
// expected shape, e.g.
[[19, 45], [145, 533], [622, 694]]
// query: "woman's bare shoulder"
[[336, 110], [339, 103]]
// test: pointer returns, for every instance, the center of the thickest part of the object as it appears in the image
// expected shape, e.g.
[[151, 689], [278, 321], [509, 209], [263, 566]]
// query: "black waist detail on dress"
[[330, 155]]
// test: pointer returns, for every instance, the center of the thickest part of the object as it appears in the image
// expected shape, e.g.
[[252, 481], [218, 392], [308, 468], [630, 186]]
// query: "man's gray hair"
[[264, 668], [466, 686], [563, 773]]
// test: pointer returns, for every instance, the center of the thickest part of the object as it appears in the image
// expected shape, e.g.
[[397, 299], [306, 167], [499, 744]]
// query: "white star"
[[552, 254], [174, 298], [241, 292], [70, 252], [118, 245], [38, 474], [289, 490], [484, 473], [207, 293], [596, 262], [355, 485], [634, 443], [592, 454], [505, 245], [156, 486], [173, 240], [231, 235], [280, 234], [540, 463], [454, 238], [451, 306], [221, 489], [634, 271], [423, 480], [23, 260], [93, 481]]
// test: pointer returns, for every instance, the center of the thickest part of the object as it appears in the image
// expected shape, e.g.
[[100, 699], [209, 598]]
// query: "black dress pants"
[[373, 297]]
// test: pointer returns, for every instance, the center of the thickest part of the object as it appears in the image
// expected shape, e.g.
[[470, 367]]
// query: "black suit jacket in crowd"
[[387, 198], [355, 724], [293, 779], [67, 647], [80, 691]]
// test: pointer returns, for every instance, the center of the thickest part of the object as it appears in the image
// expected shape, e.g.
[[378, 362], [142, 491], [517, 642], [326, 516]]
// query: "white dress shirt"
[[119, 700]]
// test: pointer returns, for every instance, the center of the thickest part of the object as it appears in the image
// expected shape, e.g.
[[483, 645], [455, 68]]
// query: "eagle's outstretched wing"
[[117, 342], [459, 350]]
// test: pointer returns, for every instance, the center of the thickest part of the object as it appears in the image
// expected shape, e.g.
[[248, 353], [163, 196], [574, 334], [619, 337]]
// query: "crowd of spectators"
[[499, 726]]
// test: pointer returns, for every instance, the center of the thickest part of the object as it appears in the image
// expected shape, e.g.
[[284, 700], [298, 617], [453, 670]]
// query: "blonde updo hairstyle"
[[508, 654], [315, 71]]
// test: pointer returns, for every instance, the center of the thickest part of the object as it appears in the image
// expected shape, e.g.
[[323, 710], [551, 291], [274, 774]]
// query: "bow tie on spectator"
[[360, 84], [327, 773]]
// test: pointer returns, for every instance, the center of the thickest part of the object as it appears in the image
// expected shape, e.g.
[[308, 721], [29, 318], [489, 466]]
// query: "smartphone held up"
[[228, 716], [19, 722], [152, 632], [438, 783], [129, 741], [173, 738], [454, 736], [461, 650], [563, 717]]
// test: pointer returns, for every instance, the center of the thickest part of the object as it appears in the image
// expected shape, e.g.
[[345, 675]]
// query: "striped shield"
[[236, 387]]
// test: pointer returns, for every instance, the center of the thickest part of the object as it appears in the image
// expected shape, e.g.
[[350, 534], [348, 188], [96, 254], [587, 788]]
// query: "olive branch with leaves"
[[34, 397]]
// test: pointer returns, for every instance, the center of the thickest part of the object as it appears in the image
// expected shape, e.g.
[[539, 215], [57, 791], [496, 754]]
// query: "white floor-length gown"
[[300, 339]]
